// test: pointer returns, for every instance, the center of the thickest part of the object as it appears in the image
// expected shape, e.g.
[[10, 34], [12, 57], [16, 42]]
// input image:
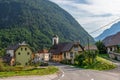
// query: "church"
[[65, 50]]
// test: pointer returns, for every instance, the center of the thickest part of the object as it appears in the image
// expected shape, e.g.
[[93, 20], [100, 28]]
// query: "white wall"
[[11, 52]]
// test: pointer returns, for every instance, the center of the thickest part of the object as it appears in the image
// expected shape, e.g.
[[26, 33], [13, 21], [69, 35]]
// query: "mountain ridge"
[[36, 21], [115, 28]]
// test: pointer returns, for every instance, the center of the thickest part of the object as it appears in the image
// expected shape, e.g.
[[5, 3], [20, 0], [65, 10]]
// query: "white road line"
[[62, 74], [92, 79]]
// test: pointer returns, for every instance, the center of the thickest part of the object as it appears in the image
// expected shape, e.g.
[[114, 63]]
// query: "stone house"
[[112, 43]]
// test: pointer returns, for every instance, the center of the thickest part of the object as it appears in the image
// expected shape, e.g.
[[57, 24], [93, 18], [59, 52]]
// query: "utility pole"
[[88, 44]]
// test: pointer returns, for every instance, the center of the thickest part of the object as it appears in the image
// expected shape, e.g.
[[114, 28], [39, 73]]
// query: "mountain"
[[111, 31], [36, 21]]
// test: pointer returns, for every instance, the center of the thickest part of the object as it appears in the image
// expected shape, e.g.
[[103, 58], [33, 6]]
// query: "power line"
[[105, 26]]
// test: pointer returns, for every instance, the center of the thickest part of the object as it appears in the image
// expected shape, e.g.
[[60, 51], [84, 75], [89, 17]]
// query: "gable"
[[76, 48]]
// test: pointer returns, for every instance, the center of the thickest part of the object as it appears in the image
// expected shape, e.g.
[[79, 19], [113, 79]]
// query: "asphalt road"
[[72, 73]]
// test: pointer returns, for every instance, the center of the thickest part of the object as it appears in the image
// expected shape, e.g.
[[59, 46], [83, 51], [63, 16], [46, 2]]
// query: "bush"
[[18, 63], [101, 47], [86, 58], [1, 66]]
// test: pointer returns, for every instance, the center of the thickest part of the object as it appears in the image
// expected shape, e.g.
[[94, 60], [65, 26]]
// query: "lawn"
[[105, 56], [101, 64], [33, 71]]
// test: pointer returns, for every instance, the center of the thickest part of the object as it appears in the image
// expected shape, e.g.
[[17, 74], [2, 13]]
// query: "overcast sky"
[[92, 14]]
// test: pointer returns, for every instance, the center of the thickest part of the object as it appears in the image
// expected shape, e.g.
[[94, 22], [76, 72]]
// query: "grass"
[[101, 64], [34, 71], [105, 56]]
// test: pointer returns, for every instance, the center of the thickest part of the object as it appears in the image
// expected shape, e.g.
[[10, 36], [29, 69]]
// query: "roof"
[[15, 46], [112, 40], [43, 51], [91, 47], [62, 47]]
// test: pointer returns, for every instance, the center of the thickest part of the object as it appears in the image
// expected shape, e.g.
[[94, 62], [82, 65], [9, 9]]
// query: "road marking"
[[92, 79], [63, 75]]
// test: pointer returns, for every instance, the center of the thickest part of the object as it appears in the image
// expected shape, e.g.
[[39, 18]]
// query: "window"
[[110, 49], [28, 53], [71, 54], [64, 55], [21, 49], [76, 48], [26, 63], [19, 53], [25, 49]]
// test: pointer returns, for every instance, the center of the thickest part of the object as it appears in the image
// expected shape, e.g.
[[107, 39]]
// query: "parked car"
[[44, 64]]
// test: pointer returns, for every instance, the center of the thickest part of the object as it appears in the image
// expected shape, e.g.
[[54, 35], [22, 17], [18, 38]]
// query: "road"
[[72, 73]]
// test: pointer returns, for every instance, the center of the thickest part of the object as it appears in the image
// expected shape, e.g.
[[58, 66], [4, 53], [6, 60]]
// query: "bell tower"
[[55, 40]]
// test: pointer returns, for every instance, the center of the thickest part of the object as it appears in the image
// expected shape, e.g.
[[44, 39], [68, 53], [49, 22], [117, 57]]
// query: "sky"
[[92, 14]]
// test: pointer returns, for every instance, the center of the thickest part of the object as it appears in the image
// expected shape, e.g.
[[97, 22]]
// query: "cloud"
[[92, 14]]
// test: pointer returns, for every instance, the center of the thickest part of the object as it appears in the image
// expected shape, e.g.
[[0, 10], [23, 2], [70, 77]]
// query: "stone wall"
[[114, 55]]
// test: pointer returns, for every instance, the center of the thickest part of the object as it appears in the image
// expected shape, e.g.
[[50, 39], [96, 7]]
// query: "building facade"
[[20, 54], [64, 51], [41, 56], [112, 43]]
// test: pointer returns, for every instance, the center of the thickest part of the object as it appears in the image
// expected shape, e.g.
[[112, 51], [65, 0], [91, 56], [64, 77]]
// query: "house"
[[65, 50], [18, 54], [91, 47], [41, 56], [112, 43]]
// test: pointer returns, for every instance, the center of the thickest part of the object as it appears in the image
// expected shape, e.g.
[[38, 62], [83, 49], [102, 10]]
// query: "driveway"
[[72, 73]]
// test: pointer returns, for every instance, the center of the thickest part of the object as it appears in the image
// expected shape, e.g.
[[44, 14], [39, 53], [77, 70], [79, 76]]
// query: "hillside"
[[36, 21], [112, 30]]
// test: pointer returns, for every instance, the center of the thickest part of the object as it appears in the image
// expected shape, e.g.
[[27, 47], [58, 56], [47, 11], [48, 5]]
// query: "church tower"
[[55, 40]]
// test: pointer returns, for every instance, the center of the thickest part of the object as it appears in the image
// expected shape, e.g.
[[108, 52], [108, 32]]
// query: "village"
[[21, 54], [65, 53], [59, 40]]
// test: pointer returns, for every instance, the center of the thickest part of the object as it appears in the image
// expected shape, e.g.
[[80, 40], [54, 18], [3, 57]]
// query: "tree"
[[90, 56], [86, 58], [2, 52], [80, 59], [101, 47]]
